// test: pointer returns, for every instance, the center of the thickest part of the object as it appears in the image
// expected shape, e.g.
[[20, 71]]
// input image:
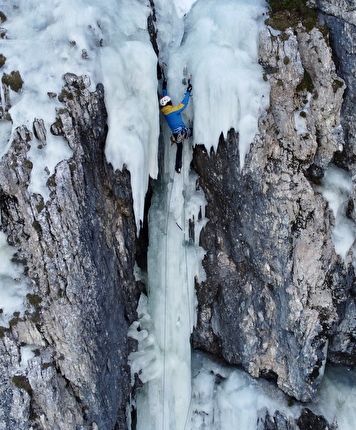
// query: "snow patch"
[[44, 160], [336, 187], [27, 353], [13, 284], [5, 134], [300, 115]]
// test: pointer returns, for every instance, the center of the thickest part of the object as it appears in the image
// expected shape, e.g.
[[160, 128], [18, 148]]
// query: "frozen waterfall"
[[173, 263], [218, 33], [185, 390], [217, 41]]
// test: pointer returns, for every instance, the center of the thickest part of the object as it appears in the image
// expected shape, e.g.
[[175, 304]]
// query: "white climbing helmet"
[[164, 100]]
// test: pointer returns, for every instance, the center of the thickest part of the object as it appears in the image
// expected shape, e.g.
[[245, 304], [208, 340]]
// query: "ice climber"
[[174, 119]]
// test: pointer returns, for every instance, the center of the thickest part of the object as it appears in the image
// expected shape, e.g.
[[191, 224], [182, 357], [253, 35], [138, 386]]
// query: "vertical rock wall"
[[78, 249], [340, 18], [276, 291]]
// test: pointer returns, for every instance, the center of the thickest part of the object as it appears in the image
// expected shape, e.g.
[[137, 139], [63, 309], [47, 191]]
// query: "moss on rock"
[[22, 383], [306, 83], [289, 13], [2, 60], [13, 80]]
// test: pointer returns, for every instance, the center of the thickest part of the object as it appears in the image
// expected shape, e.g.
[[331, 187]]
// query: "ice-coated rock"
[[274, 282], [78, 249]]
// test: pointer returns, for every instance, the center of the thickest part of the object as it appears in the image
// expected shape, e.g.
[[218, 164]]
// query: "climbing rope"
[[188, 417], [166, 242], [166, 279], [164, 379], [190, 323], [165, 276]]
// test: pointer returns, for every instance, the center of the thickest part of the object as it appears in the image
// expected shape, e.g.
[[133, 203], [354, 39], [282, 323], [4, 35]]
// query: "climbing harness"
[[180, 134]]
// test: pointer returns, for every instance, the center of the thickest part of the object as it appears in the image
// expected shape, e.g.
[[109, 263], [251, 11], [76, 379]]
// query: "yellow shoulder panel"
[[166, 110], [174, 108]]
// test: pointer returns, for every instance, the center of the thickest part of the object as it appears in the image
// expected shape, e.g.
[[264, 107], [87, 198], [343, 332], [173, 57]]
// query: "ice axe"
[[184, 80], [162, 69], [189, 87]]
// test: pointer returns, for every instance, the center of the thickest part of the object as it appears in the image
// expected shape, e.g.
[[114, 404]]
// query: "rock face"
[[277, 298], [276, 292], [341, 20], [307, 421], [78, 249]]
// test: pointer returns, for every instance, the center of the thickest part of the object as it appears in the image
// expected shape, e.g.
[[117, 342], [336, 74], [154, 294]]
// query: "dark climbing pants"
[[179, 139], [179, 155]]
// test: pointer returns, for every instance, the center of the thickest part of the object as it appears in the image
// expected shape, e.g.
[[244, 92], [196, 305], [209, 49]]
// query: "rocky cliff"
[[277, 298], [78, 251]]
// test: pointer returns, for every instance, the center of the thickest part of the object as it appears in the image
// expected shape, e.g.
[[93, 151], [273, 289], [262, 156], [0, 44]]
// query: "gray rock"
[[308, 420], [79, 252], [270, 301], [39, 130], [340, 18], [342, 36]]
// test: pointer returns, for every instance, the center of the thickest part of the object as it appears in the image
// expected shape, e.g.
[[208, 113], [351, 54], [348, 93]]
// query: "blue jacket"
[[173, 113]]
